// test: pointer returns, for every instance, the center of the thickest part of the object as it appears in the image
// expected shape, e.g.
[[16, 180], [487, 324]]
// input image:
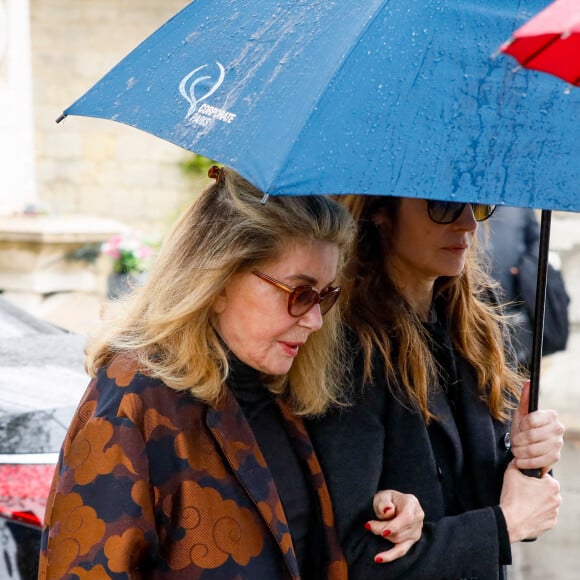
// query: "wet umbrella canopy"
[[399, 97], [386, 97]]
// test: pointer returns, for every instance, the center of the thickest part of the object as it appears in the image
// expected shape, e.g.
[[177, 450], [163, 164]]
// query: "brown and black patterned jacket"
[[154, 484]]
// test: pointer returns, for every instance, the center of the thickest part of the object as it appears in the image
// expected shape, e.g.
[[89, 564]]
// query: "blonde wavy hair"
[[166, 326], [381, 317]]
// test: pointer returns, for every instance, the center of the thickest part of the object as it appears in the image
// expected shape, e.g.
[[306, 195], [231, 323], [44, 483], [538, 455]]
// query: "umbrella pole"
[[538, 335]]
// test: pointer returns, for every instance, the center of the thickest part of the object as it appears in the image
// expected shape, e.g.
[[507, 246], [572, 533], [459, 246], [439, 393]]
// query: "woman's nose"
[[466, 220], [312, 319]]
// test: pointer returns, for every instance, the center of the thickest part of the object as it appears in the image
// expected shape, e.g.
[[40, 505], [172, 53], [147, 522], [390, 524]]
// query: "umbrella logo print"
[[187, 88]]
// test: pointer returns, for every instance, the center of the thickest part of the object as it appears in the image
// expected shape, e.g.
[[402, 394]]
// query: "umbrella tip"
[[265, 199], [60, 117], [503, 48]]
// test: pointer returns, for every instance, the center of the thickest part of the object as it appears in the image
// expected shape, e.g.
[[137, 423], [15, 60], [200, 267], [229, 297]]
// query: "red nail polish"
[[367, 526], [386, 509], [386, 533], [378, 560]]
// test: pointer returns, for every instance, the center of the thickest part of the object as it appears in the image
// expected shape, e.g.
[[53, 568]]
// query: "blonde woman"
[[188, 457]]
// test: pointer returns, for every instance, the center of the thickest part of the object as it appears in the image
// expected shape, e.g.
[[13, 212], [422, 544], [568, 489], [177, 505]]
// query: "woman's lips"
[[460, 249], [291, 348]]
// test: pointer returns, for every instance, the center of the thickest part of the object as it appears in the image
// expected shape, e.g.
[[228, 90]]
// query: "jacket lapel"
[[335, 562], [438, 401], [481, 444], [234, 436], [445, 421]]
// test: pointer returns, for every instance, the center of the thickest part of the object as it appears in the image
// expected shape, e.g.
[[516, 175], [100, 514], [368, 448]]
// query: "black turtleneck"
[[266, 421]]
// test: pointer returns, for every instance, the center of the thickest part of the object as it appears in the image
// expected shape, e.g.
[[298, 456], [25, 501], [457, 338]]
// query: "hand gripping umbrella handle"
[[537, 473]]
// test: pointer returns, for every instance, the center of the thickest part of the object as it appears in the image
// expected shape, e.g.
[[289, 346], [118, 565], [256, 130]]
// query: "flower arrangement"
[[131, 252]]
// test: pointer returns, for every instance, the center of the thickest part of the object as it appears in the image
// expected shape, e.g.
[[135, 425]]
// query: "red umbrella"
[[550, 41]]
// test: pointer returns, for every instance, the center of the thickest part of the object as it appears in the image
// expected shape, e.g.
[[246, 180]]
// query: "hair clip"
[[217, 173]]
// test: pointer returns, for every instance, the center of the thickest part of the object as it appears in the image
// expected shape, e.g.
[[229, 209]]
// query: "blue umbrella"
[[399, 97], [384, 97]]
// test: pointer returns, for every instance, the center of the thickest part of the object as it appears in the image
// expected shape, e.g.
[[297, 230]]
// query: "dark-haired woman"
[[437, 412]]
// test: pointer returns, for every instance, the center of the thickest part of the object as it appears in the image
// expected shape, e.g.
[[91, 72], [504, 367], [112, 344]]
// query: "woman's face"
[[423, 250], [251, 315]]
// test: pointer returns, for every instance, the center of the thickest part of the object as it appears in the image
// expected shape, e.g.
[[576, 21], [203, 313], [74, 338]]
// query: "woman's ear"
[[220, 302]]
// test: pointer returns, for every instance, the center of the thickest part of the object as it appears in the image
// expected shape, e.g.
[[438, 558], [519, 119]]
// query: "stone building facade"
[[92, 166]]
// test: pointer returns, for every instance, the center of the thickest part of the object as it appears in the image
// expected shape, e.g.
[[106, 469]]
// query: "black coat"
[[378, 443]]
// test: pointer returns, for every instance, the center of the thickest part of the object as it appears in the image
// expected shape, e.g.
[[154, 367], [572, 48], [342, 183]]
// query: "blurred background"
[[83, 205], [67, 188]]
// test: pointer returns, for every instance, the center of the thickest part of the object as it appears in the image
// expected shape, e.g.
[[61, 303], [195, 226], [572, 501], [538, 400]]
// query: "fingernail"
[[367, 526], [386, 533], [378, 560], [386, 509]]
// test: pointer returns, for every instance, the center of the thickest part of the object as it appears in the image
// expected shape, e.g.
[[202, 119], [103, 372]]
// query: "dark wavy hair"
[[385, 322]]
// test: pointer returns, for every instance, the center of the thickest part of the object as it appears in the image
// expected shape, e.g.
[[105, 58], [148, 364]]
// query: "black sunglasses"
[[446, 212], [302, 298]]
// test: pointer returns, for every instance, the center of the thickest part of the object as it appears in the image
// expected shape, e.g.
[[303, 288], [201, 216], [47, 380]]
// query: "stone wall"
[[95, 166], [17, 175], [91, 178], [52, 267]]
